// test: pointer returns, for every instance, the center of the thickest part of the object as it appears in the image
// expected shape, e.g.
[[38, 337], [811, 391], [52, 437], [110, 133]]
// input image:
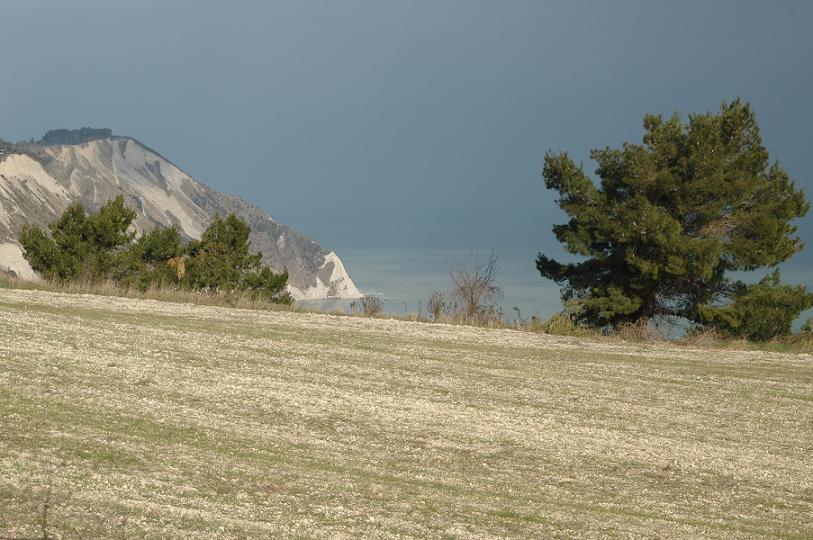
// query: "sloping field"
[[159, 420]]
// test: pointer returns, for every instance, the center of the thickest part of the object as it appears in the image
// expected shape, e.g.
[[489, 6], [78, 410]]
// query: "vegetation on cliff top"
[[75, 136]]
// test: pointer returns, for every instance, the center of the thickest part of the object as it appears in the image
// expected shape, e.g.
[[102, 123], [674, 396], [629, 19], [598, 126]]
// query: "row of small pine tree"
[[103, 246]]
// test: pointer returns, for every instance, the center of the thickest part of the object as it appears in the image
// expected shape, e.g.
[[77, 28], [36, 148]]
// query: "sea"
[[404, 278]]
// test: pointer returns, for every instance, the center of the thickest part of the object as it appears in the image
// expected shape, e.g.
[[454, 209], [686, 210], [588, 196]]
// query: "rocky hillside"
[[37, 182]]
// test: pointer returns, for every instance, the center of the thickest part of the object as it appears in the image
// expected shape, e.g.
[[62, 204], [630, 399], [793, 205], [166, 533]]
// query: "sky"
[[370, 124]]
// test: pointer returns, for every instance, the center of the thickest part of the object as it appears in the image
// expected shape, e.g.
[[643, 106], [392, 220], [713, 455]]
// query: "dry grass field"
[[130, 418]]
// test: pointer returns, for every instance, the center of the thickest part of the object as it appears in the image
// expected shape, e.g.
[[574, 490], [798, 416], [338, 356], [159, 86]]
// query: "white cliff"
[[38, 182]]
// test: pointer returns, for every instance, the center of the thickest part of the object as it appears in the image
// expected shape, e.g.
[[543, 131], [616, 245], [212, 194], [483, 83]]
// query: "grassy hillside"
[[138, 419]]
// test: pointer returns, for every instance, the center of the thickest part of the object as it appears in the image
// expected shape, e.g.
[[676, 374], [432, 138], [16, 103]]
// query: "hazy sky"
[[408, 123]]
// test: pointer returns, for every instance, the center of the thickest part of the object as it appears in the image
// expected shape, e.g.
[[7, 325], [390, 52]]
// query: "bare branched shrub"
[[438, 306], [474, 286], [519, 322], [369, 305]]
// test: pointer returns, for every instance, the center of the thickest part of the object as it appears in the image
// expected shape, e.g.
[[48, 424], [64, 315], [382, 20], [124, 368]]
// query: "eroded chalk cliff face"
[[38, 181]]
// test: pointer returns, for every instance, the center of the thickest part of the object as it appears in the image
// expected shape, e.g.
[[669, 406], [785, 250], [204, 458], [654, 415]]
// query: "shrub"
[[475, 292], [640, 330], [81, 245], [368, 305], [759, 312], [566, 322], [101, 247], [562, 324], [439, 306]]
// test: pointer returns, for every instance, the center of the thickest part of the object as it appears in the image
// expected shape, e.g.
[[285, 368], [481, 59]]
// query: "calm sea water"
[[403, 278]]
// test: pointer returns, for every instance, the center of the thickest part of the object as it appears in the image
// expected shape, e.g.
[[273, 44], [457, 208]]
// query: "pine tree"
[[222, 254], [101, 246], [222, 260], [671, 218], [81, 244]]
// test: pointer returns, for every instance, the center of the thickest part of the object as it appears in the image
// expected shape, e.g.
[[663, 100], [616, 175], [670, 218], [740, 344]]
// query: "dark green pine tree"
[[222, 260], [81, 244], [222, 255], [671, 218]]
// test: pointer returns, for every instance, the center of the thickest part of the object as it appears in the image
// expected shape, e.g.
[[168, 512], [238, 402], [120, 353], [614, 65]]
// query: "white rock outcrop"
[[37, 182]]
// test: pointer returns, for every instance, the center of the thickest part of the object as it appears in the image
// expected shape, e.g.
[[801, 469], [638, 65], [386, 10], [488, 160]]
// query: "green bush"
[[759, 312], [222, 260], [81, 245], [566, 322], [101, 247]]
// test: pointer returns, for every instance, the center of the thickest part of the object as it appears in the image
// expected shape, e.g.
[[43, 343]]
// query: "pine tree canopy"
[[102, 246], [671, 217]]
